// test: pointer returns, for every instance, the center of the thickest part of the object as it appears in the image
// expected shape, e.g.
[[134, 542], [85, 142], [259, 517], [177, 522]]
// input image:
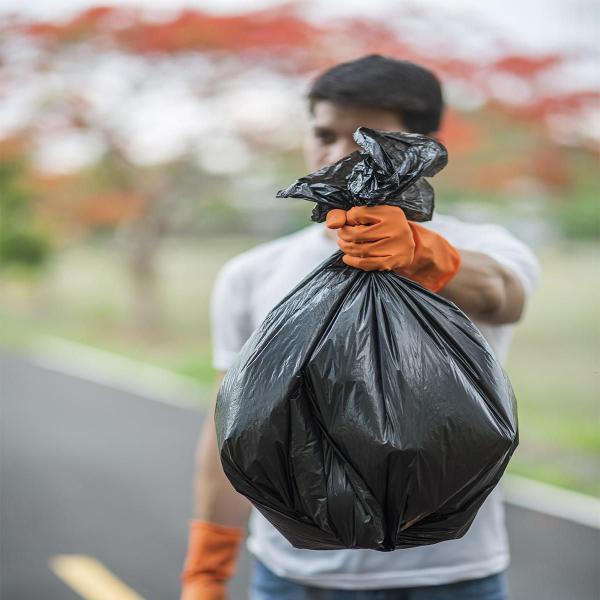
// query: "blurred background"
[[141, 146]]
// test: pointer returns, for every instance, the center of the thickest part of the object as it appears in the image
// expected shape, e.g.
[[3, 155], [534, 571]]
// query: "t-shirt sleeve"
[[505, 248], [230, 313]]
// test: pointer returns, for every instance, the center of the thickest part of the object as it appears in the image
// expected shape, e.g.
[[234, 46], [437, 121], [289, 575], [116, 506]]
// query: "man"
[[482, 268]]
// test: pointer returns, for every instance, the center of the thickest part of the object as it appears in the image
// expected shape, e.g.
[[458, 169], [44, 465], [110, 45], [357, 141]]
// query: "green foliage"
[[23, 247], [22, 240], [578, 214]]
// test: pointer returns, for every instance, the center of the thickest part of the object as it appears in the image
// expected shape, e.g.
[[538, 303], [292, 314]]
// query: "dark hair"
[[375, 81]]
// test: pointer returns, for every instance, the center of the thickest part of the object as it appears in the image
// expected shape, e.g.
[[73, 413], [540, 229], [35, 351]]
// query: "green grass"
[[85, 296], [554, 366]]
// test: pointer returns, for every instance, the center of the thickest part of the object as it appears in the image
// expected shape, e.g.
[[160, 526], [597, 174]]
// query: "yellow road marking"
[[90, 578]]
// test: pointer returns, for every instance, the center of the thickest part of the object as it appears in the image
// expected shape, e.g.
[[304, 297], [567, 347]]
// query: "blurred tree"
[[142, 202], [23, 241], [149, 116], [579, 216]]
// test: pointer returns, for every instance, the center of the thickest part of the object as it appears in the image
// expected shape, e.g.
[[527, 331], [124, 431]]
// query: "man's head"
[[376, 92]]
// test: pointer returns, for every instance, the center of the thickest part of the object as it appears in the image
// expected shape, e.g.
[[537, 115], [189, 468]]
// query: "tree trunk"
[[146, 235]]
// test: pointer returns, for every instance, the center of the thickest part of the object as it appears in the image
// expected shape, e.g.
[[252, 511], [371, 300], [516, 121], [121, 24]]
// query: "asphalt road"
[[86, 469]]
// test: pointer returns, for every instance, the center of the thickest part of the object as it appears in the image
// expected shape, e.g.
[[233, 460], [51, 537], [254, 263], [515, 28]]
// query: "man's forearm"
[[215, 500], [217, 531], [485, 290]]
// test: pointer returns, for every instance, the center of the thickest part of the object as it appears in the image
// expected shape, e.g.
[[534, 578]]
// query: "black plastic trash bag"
[[366, 411], [389, 170]]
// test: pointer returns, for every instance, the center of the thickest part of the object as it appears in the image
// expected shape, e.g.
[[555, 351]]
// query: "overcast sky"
[[534, 25]]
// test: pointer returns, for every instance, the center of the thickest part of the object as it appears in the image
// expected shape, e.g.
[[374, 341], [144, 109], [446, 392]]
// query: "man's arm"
[[215, 500], [381, 238], [486, 290], [218, 527]]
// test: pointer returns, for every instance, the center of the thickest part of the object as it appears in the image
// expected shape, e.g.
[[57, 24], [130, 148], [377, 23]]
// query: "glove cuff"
[[212, 551], [436, 261]]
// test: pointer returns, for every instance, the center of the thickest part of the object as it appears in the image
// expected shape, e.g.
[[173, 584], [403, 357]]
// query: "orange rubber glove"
[[380, 238], [211, 560]]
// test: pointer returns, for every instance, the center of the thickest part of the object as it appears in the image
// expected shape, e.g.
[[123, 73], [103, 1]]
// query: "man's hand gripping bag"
[[366, 411]]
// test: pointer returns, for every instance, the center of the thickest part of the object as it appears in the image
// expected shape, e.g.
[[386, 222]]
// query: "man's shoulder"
[[444, 221], [458, 230], [495, 241], [265, 254]]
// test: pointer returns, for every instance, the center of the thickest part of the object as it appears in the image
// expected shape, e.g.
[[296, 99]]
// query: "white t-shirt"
[[247, 288]]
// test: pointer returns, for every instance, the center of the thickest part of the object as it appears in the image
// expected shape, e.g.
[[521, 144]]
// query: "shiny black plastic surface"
[[366, 411], [389, 169]]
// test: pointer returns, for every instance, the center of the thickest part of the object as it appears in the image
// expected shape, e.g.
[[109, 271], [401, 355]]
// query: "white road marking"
[[551, 500], [119, 372]]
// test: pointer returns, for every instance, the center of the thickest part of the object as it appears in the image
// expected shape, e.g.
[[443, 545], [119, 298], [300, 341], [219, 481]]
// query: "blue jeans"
[[268, 586]]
